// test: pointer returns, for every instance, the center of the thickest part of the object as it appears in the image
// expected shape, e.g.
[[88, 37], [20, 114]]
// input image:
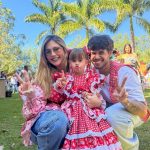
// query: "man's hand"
[[92, 100], [134, 107], [120, 93]]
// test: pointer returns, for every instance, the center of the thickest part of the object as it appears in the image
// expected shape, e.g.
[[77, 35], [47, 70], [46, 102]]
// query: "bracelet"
[[127, 104]]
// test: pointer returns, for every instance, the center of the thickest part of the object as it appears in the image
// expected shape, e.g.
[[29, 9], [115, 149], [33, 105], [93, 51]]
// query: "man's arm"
[[136, 107], [133, 100]]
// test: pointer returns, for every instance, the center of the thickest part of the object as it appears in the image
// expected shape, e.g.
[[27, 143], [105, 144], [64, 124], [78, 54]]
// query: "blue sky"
[[23, 8]]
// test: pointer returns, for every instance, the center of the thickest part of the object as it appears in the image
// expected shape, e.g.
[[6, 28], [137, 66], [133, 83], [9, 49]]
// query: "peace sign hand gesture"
[[120, 93], [61, 82], [25, 87]]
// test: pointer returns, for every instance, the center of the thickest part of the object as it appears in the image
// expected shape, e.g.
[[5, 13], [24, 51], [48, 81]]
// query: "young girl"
[[89, 128]]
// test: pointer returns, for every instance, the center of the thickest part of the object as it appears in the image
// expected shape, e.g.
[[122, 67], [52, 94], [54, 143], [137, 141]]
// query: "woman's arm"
[[33, 104], [57, 97]]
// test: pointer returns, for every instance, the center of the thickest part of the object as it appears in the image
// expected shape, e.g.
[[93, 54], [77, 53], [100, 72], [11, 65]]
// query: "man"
[[13, 82], [126, 106]]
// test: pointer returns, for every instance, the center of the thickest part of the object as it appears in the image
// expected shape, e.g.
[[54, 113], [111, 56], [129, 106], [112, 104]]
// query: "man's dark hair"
[[102, 42]]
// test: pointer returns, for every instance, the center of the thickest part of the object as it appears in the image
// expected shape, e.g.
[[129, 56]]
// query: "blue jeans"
[[49, 130]]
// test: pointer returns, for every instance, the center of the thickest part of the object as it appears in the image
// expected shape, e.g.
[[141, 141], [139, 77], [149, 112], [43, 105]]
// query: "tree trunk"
[[132, 34], [53, 30], [87, 33]]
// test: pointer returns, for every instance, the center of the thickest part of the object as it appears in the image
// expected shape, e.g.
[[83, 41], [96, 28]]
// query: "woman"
[[45, 124], [128, 57]]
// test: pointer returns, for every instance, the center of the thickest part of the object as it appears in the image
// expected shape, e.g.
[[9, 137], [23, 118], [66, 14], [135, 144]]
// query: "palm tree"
[[84, 15], [51, 15], [134, 10]]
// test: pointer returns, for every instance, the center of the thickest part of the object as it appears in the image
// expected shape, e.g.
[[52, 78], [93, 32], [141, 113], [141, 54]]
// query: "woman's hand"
[[92, 100], [25, 87]]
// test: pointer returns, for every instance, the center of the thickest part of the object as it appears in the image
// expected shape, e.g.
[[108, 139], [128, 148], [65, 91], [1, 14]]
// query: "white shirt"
[[133, 86], [13, 80]]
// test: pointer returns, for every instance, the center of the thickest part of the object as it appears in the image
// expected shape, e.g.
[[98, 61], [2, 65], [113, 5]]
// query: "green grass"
[[11, 121], [144, 130]]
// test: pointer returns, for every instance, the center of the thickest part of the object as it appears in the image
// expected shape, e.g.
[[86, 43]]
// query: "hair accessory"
[[86, 50], [69, 50]]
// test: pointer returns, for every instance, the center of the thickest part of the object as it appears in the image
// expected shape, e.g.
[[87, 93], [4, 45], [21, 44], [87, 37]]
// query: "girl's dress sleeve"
[[66, 90], [95, 82]]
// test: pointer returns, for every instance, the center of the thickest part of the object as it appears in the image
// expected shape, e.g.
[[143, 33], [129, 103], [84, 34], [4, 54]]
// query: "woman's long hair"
[[46, 69]]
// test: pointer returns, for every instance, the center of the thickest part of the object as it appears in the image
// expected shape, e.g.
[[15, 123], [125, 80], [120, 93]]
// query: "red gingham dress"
[[89, 128]]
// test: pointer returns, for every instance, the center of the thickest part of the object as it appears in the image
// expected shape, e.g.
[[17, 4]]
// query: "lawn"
[[11, 121]]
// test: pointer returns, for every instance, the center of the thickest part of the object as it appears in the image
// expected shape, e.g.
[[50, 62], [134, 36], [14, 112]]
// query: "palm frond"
[[68, 27], [110, 26], [136, 4], [89, 8], [79, 3], [144, 23], [55, 4], [37, 18], [146, 4], [123, 12], [40, 36], [70, 9], [143, 6], [104, 5], [55, 18], [42, 7], [51, 4], [98, 24]]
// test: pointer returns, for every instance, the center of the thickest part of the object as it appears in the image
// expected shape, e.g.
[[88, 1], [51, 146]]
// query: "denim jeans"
[[49, 130]]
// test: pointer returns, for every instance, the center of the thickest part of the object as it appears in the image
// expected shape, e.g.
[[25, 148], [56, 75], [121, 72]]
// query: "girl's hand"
[[92, 100], [120, 93], [61, 82], [25, 87]]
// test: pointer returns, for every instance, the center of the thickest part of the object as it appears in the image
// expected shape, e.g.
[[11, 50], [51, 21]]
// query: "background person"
[[13, 81], [3, 75], [115, 55], [128, 57]]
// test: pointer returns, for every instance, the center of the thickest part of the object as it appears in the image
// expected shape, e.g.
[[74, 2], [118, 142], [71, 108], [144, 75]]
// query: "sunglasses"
[[54, 50]]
